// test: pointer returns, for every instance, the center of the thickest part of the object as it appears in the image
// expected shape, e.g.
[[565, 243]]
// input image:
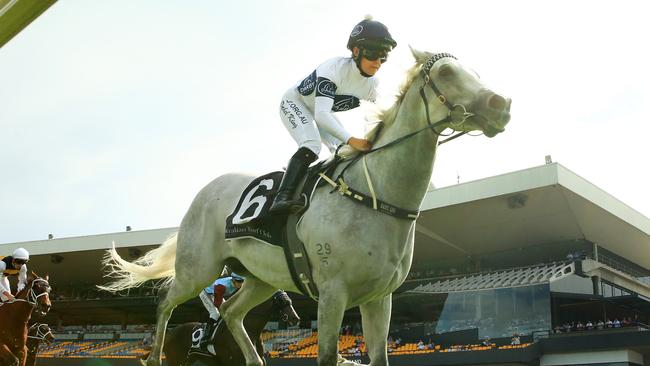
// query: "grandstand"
[[520, 268]]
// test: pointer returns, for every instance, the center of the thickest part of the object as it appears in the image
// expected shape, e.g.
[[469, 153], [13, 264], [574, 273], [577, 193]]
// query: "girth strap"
[[373, 203], [297, 259]]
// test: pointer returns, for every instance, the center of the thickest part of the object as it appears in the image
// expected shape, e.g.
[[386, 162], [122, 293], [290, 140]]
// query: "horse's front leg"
[[7, 357], [331, 306], [22, 356], [252, 293], [375, 318]]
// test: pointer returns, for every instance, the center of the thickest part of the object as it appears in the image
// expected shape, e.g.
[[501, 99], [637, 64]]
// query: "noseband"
[[40, 333]]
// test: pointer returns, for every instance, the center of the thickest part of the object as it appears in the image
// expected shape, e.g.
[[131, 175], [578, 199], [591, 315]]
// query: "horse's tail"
[[155, 264]]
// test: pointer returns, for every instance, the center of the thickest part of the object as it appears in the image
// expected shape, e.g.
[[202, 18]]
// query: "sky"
[[117, 113]]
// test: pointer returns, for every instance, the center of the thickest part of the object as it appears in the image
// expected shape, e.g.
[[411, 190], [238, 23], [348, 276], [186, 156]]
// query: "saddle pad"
[[251, 218]]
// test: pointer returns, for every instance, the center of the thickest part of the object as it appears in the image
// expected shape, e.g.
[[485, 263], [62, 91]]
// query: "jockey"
[[307, 109], [15, 264], [212, 297]]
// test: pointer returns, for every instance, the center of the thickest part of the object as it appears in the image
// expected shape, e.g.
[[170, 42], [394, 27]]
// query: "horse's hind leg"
[[196, 267], [177, 294], [252, 293], [375, 317]]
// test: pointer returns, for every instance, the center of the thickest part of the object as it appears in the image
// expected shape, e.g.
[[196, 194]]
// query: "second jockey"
[[212, 297], [307, 109]]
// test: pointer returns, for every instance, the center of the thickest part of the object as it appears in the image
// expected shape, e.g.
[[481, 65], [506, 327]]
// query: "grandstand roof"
[[539, 205], [543, 204]]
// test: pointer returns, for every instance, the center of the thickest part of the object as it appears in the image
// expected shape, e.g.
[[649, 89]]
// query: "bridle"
[[40, 334], [280, 301], [457, 113], [32, 296]]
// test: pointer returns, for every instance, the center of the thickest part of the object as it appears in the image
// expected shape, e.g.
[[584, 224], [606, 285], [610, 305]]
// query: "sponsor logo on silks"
[[308, 84], [297, 113], [325, 88], [345, 103], [357, 30], [290, 117]]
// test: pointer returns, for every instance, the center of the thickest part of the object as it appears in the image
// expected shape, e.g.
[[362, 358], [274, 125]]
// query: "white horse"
[[358, 256]]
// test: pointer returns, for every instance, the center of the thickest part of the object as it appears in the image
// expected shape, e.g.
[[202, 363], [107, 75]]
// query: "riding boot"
[[296, 169]]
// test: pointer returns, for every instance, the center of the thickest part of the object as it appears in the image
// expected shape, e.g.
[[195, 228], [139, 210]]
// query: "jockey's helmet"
[[371, 34], [236, 277], [21, 253]]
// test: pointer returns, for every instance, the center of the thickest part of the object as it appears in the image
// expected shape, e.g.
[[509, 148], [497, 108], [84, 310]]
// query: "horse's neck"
[[21, 312], [401, 173]]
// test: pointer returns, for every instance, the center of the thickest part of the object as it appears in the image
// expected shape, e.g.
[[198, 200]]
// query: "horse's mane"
[[386, 116], [28, 285]]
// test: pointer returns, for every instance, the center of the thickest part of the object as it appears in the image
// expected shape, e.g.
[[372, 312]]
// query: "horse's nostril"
[[497, 102]]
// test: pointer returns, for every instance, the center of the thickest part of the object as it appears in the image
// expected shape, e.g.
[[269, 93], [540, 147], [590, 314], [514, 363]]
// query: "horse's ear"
[[47, 277], [420, 56]]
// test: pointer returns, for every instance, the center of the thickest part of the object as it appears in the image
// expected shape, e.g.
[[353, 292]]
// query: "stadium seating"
[[284, 344]]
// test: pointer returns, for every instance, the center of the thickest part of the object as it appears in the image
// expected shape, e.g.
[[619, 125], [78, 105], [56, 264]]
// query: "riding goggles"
[[21, 261], [375, 54]]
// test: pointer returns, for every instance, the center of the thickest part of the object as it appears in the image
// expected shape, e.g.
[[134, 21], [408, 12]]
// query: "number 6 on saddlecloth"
[[251, 200]]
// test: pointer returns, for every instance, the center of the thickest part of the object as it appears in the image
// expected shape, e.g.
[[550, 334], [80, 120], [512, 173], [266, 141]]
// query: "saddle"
[[251, 218], [198, 332]]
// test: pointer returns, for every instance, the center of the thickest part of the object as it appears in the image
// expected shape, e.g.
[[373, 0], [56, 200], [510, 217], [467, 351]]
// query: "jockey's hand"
[[9, 296], [359, 144]]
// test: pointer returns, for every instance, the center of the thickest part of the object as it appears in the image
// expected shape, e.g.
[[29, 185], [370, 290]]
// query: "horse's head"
[[38, 293], [41, 332], [282, 304], [470, 105]]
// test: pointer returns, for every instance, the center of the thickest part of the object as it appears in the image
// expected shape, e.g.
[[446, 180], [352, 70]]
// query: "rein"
[[457, 115]]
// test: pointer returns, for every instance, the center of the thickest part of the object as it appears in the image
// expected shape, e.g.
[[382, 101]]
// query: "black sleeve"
[[325, 88]]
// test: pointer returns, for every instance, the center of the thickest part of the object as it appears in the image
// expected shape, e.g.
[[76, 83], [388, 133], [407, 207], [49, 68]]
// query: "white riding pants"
[[208, 302], [299, 121], [5, 286]]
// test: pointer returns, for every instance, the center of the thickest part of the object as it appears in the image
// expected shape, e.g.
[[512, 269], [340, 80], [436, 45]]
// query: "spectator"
[[608, 324], [421, 345], [600, 325], [626, 322], [589, 325], [515, 339], [487, 341], [617, 323]]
